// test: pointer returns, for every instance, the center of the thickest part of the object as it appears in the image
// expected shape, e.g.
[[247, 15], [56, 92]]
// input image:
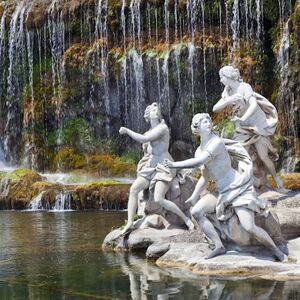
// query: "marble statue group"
[[228, 163]]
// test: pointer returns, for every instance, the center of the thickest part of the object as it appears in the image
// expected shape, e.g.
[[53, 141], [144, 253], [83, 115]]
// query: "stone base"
[[177, 247]]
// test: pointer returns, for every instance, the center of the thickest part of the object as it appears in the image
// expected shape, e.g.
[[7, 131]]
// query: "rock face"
[[175, 247], [75, 70]]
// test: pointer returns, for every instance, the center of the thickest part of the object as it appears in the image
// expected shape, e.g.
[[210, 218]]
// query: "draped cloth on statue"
[[151, 168], [240, 192], [260, 126]]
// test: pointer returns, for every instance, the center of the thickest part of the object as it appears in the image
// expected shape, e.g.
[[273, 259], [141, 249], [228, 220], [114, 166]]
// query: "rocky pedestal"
[[176, 247]]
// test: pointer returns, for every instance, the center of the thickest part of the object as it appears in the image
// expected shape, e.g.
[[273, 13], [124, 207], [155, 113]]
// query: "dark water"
[[46, 255]]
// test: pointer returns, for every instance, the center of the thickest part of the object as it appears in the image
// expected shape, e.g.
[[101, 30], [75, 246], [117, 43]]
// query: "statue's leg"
[[205, 205], [262, 151], [160, 191], [246, 218], [139, 185]]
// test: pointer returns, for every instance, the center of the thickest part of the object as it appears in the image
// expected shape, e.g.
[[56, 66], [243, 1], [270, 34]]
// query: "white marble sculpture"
[[236, 194], [255, 118], [151, 173]]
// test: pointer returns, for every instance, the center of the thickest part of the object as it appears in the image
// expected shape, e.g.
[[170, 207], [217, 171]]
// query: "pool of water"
[[57, 255]]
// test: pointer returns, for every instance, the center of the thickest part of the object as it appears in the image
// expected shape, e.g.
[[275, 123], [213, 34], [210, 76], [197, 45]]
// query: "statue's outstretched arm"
[[204, 157], [150, 136], [226, 101]]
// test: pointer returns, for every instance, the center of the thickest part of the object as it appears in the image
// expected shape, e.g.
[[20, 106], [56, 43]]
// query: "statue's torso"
[[219, 167]]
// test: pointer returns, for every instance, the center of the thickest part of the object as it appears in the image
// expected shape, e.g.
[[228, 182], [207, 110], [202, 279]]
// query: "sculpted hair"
[[197, 119], [231, 72]]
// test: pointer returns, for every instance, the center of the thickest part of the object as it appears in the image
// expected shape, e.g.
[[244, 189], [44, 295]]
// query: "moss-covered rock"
[[17, 188], [104, 195], [290, 181]]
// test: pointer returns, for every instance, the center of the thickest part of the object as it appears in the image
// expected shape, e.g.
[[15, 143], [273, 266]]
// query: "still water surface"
[[47, 255]]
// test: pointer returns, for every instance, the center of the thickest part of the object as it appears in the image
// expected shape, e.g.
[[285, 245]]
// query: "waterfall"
[[177, 61], [158, 76], [204, 53], [149, 23], [102, 56], [167, 24], [36, 202], [166, 89], [175, 20], [258, 19], [56, 29], [62, 202], [192, 49], [135, 23], [123, 19], [2, 52], [137, 86], [129, 56], [15, 80], [235, 27]]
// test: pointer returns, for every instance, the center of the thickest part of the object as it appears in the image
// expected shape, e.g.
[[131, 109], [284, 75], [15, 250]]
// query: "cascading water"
[[15, 80], [137, 87], [235, 27], [136, 52], [102, 56], [286, 99], [56, 29], [62, 202], [36, 203]]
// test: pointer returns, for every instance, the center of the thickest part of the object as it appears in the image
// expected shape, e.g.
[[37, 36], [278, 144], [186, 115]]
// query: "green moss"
[[68, 159], [99, 184], [20, 173], [225, 128], [3, 174], [104, 164], [76, 134]]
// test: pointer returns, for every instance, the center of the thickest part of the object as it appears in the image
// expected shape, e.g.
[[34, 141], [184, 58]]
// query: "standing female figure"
[[234, 186], [254, 116], [151, 173]]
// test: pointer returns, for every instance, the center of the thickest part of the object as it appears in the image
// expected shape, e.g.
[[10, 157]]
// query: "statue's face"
[[203, 127], [224, 79], [152, 113]]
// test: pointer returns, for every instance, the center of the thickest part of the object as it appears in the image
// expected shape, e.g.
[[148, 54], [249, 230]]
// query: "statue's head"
[[201, 123], [152, 111], [229, 72]]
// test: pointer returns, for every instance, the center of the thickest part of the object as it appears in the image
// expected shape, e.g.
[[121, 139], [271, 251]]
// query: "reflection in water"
[[58, 256], [147, 281]]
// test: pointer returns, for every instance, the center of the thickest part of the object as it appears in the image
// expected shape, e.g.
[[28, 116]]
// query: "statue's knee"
[[158, 200], [197, 214], [250, 228], [134, 191]]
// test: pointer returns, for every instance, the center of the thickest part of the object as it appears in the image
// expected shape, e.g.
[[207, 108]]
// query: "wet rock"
[[16, 188]]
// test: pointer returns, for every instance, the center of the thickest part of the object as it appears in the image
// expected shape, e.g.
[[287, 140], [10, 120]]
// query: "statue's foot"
[[217, 251], [190, 225], [128, 227], [280, 255], [279, 186]]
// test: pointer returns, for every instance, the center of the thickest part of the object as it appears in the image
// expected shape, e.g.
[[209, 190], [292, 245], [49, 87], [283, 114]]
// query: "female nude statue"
[[254, 116], [151, 173], [235, 188]]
